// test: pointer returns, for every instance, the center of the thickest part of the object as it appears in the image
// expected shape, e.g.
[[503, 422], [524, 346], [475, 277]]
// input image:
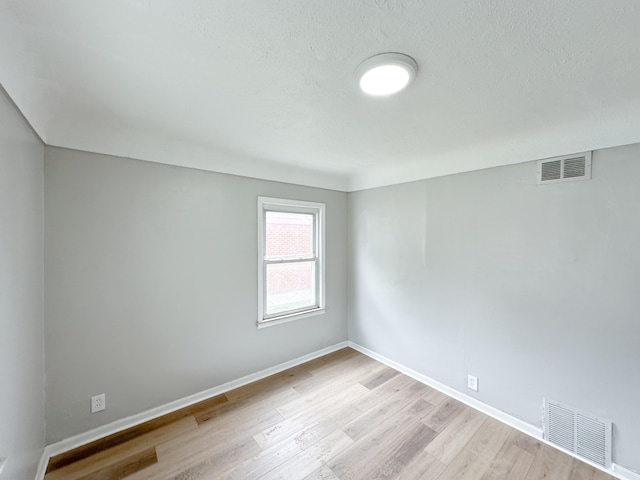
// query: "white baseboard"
[[44, 461], [531, 430], [128, 422], [625, 473]]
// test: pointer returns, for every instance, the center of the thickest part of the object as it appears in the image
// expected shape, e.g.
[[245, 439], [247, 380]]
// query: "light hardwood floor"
[[341, 416]]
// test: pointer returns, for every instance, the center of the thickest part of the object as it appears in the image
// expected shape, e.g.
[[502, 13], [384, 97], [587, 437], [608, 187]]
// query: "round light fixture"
[[386, 73]]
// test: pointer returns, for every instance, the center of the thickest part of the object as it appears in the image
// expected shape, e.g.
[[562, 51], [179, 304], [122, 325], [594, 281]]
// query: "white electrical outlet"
[[98, 403], [472, 382]]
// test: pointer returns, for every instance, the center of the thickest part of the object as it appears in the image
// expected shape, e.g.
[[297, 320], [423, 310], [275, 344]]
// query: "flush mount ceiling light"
[[386, 73]]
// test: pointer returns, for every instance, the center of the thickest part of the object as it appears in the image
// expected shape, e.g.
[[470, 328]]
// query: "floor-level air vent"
[[579, 432], [564, 169]]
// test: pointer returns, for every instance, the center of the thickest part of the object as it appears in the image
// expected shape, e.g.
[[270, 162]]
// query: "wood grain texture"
[[455, 435], [126, 452], [510, 462], [422, 466], [124, 467], [117, 438], [338, 417]]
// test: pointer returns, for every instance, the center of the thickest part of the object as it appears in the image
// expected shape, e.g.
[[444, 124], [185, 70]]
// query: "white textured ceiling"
[[266, 89]]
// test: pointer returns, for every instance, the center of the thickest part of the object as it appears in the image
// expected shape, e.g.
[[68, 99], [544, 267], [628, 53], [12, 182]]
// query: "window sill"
[[290, 318]]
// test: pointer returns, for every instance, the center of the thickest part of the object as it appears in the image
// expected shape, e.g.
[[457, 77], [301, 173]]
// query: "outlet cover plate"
[[98, 403], [472, 383], [3, 462]]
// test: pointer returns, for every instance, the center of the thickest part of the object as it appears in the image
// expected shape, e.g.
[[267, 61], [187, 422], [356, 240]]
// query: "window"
[[290, 260]]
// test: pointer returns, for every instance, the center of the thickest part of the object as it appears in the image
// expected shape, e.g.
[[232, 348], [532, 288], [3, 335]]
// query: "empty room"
[[386, 239]]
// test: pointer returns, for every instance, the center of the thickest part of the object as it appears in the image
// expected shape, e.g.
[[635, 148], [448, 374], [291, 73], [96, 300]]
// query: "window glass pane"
[[289, 235], [290, 286]]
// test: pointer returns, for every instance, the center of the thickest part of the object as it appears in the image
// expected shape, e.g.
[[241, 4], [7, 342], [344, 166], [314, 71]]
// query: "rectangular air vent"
[[579, 432], [564, 169]]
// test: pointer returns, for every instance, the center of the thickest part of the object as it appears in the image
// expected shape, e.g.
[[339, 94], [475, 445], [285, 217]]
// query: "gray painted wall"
[[151, 285], [535, 290], [21, 295]]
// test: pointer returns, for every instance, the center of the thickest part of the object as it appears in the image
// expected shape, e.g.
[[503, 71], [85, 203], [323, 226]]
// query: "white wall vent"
[[564, 169], [579, 432]]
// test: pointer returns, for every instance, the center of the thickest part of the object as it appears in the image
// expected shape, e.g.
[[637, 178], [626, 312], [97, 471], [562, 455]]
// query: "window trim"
[[271, 204]]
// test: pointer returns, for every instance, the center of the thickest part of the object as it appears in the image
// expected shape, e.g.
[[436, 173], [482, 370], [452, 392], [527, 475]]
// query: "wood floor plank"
[[456, 434], [385, 405], [401, 455], [322, 473], [265, 387], [217, 461], [337, 357], [264, 461], [351, 369], [310, 459], [292, 425], [124, 452], [402, 388], [350, 361], [325, 424], [550, 463], [124, 467], [434, 396], [216, 445], [202, 464], [213, 437], [511, 463], [526, 442], [117, 438], [473, 461], [383, 456], [317, 382], [378, 378], [243, 407], [383, 443], [440, 417], [315, 399], [582, 471], [422, 466]]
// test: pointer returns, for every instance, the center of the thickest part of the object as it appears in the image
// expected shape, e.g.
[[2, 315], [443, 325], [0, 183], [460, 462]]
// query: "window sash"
[[317, 211], [292, 311], [300, 259]]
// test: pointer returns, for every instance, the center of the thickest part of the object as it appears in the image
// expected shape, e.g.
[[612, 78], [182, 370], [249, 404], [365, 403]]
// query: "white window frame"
[[269, 204]]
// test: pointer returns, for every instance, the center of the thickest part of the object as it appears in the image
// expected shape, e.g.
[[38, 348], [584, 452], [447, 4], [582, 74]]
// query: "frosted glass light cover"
[[384, 80], [386, 73]]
